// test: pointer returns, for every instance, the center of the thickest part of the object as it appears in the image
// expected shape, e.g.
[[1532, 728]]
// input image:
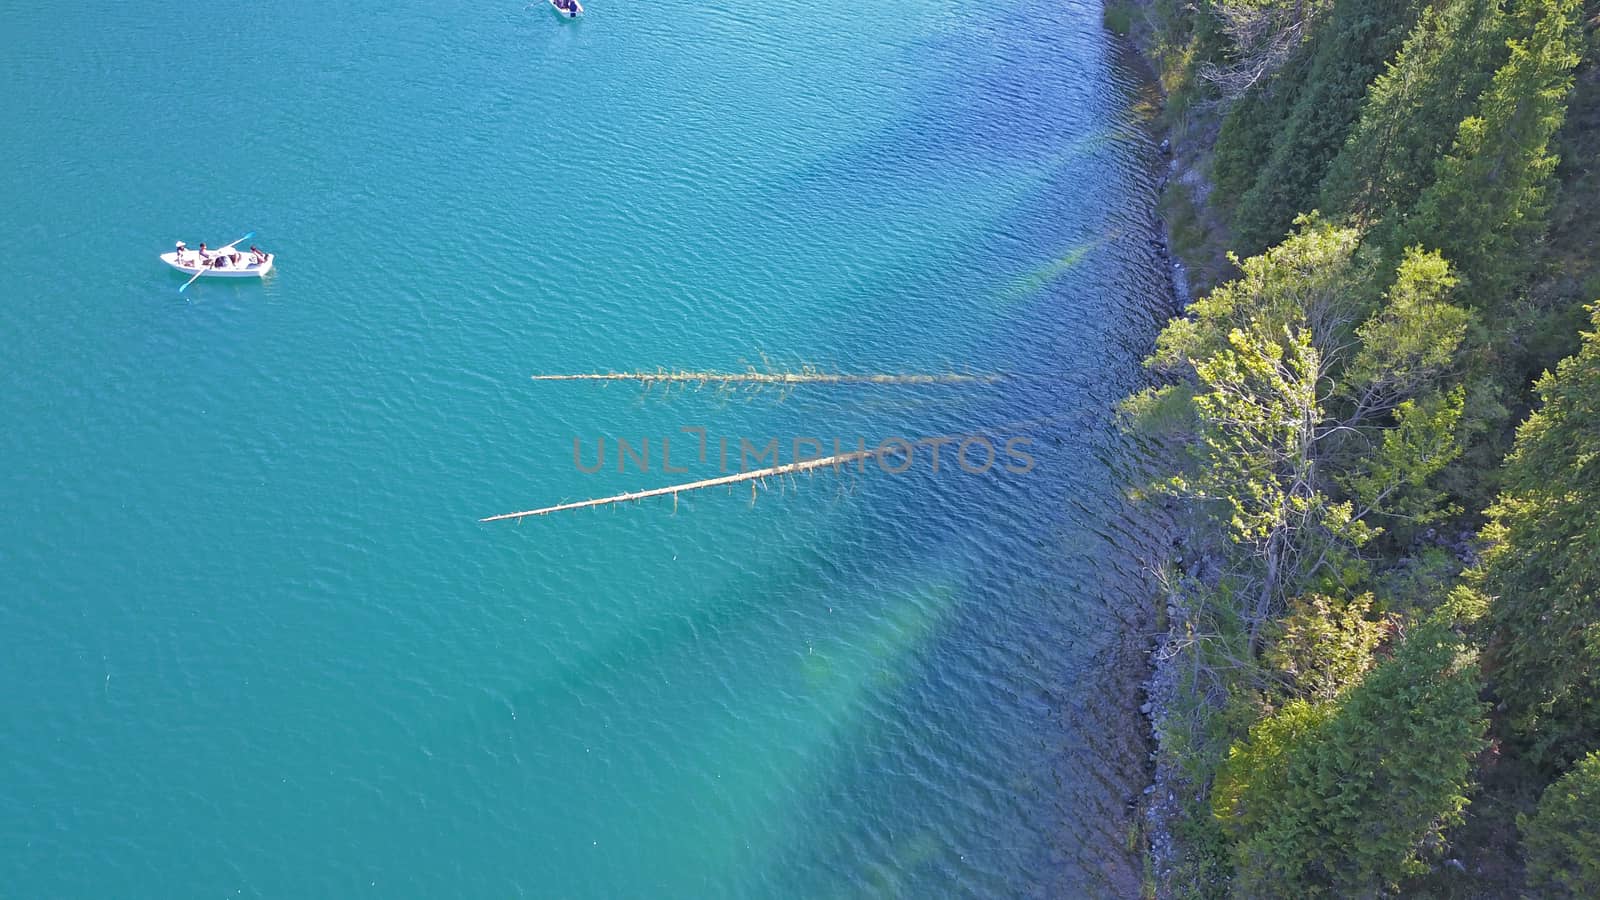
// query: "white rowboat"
[[573, 13], [189, 263]]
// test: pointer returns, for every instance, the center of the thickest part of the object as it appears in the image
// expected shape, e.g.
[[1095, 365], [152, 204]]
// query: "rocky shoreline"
[[1164, 798], [1160, 807]]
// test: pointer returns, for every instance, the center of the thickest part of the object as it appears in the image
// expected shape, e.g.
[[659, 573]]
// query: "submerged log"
[[786, 378], [676, 489]]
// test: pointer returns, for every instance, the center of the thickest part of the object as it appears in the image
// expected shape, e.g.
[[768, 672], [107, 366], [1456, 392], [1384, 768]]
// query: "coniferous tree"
[[1542, 569], [1349, 50], [1487, 202], [1562, 841], [1411, 113], [1341, 798], [1245, 140]]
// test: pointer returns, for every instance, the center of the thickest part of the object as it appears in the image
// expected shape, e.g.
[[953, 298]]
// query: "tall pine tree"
[[1340, 799], [1349, 49], [1487, 202], [1245, 141], [1543, 566], [1412, 111]]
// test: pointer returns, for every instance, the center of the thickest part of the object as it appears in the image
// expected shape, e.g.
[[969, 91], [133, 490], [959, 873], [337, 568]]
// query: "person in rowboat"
[[257, 257], [223, 258], [178, 254]]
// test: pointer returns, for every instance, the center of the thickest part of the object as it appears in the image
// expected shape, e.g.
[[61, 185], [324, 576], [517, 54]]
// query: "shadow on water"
[[977, 730]]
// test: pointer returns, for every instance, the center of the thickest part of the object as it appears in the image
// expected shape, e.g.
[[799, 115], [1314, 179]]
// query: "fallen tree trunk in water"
[[806, 377], [676, 489]]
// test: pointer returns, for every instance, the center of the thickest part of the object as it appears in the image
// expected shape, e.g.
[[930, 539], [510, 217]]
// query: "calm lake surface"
[[256, 642]]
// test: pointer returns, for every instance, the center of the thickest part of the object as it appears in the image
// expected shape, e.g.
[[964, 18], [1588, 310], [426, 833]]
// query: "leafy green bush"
[[1324, 644]]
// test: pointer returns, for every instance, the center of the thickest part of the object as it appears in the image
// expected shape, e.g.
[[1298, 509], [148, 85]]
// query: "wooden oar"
[[202, 270]]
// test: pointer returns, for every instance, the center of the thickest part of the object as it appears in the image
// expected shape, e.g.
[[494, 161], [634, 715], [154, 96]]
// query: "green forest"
[[1382, 415]]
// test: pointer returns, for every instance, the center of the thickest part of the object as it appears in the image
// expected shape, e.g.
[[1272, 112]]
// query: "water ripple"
[[262, 629]]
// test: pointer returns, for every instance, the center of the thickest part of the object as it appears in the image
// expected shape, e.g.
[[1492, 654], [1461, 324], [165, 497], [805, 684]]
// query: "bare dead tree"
[[1264, 35]]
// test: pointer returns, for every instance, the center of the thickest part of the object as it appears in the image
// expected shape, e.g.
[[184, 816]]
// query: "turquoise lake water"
[[257, 642]]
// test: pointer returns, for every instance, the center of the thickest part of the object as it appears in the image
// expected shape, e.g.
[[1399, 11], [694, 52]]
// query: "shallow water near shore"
[[258, 642]]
